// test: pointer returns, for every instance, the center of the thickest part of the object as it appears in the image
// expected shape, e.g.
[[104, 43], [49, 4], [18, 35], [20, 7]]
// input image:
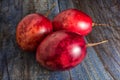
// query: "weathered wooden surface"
[[101, 63]]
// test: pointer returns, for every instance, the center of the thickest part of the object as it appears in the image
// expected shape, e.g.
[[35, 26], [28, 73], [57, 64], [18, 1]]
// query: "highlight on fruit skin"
[[61, 50], [31, 30], [73, 20]]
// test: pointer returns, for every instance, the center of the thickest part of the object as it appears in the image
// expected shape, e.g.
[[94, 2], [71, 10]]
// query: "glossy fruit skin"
[[73, 20], [61, 50], [31, 30]]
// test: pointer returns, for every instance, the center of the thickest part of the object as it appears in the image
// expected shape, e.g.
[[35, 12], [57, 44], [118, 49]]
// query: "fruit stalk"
[[48, 12], [95, 44], [97, 24]]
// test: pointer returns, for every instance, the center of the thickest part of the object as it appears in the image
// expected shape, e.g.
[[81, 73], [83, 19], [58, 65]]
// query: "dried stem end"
[[48, 12], [97, 24], [95, 44]]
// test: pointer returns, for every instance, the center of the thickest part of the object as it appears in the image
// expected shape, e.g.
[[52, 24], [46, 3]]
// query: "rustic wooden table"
[[102, 61]]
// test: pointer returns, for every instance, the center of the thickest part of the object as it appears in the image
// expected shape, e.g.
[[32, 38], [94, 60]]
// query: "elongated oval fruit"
[[73, 20], [31, 30], [61, 50]]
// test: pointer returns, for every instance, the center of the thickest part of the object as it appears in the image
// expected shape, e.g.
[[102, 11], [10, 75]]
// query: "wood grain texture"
[[101, 63]]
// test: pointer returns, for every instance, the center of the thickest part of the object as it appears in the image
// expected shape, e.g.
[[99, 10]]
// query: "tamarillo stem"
[[97, 24], [48, 12], [95, 44]]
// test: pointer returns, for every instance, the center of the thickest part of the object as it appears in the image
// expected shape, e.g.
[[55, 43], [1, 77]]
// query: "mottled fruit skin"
[[31, 30], [61, 50], [73, 20]]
